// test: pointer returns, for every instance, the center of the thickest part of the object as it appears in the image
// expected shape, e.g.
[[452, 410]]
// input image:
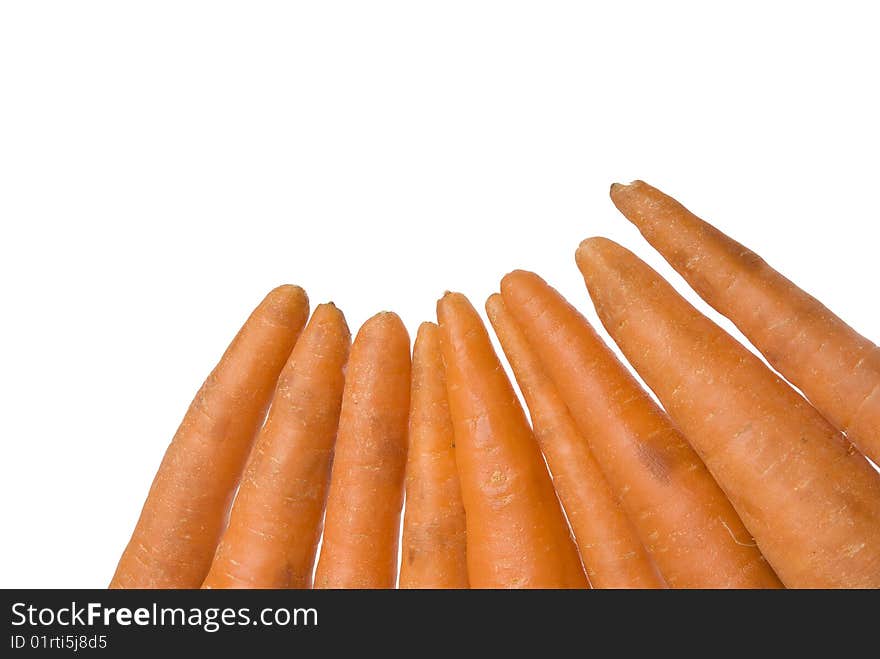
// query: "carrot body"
[[517, 536], [362, 524], [176, 535], [612, 553], [433, 554], [276, 519], [682, 516], [835, 367], [811, 502]]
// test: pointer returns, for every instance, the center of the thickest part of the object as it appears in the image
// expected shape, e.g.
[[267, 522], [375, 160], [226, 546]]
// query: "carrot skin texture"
[[434, 552], [837, 368], [362, 523], [517, 536], [810, 500], [181, 521], [683, 518], [276, 519], [610, 548]]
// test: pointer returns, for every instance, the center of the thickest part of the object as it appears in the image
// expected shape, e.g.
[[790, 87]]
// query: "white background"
[[164, 164]]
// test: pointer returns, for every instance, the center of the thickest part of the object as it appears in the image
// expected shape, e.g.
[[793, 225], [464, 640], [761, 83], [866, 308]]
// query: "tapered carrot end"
[[521, 287], [459, 320], [288, 292], [285, 305], [384, 321], [465, 343], [327, 307], [622, 190], [611, 272], [427, 333], [642, 204], [426, 345], [452, 303], [384, 333], [329, 313], [593, 253], [518, 279], [494, 305], [625, 196]]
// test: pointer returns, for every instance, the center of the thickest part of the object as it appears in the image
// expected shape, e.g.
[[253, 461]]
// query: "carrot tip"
[[287, 294], [330, 310], [383, 323], [450, 300], [288, 289], [450, 295], [593, 252], [383, 316], [493, 302], [285, 303], [514, 275], [622, 188], [595, 245]]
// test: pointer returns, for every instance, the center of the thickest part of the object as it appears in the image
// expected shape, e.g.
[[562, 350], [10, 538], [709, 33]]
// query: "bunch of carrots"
[[737, 481]]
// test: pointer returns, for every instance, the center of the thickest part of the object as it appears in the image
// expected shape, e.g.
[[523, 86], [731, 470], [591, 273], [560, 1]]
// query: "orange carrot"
[[835, 367], [176, 535], [609, 545], [682, 516], [366, 487], [433, 554], [517, 536], [811, 502], [276, 519]]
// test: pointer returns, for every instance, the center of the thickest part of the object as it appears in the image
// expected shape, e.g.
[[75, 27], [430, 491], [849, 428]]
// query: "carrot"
[[836, 368], [276, 519], [517, 536], [366, 486], [811, 502], [683, 518], [610, 548], [433, 554], [181, 521]]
